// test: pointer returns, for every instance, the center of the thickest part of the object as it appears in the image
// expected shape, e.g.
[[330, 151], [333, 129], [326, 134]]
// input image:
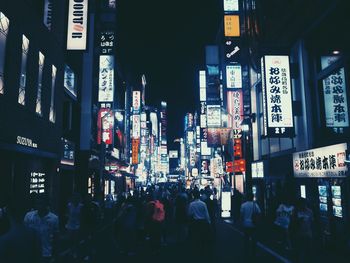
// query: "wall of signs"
[[77, 24], [106, 79], [277, 96], [326, 161]]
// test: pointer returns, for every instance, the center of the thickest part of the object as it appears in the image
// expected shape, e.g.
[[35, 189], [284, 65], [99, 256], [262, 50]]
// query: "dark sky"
[[165, 40]]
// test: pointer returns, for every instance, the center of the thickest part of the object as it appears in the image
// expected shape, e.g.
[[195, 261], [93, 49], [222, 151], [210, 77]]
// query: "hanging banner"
[[233, 76], [77, 24], [277, 96], [335, 100], [106, 79], [326, 161]]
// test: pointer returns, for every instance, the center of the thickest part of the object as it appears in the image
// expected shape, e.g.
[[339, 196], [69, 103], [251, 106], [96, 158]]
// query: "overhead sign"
[[231, 26], [277, 96], [214, 115], [234, 76], [77, 24], [106, 79], [326, 161]]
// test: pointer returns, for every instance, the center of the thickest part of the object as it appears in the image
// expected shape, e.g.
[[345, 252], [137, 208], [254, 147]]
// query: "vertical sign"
[[77, 24], [234, 76], [231, 26], [107, 42], [106, 79], [136, 97], [235, 109], [335, 100], [277, 94], [105, 126], [48, 13]]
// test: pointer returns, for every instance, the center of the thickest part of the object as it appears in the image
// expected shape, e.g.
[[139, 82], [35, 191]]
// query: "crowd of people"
[[148, 217]]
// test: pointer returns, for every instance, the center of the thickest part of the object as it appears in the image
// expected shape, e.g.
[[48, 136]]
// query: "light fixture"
[[336, 52]]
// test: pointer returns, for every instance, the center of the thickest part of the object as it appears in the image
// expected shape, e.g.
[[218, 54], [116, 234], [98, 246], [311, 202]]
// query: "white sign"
[[136, 100], [106, 79], [26, 142], [202, 86], [77, 24], [226, 204], [173, 154], [321, 162], [277, 96], [205, 150], [258, 170], [231, 5], [214, 115], [234, 76], [48, 13], [335, 100], [136, 126]]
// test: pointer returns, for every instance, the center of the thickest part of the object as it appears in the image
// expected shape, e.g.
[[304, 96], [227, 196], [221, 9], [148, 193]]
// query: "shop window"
[[4, 26], [23, 76], [40, 76], [52, 115]]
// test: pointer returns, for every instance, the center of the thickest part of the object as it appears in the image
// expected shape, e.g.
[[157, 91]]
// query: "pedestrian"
[[156, 218], [236, 205], [199, 228], [46, 224], [248, 212], [72, 226], [284, 214], [181, 220], [302, 223], [19, 244]]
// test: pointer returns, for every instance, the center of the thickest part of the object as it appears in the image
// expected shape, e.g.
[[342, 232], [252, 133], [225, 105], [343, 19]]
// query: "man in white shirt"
[[249, 208], [46, 225]]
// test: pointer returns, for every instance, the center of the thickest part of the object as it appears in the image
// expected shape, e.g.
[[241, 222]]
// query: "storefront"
[[321, 174]]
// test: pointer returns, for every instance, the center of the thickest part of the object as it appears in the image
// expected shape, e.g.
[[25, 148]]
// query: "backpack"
[[158, 212]]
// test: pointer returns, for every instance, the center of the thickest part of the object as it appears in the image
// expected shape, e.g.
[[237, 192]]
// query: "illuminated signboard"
[[105, 124], [68, 152], [326, 161], [173, 154], [231, 5], [335, 100], [107, 42], [136, 101], [77, 24], [277, 96], [258, 170], [48, 13], [69, 81], [135, 151], [231, 26], [37, 182], [226, 204], [232, 51], [234, 76], [136, 126], [106, 79], [235, 109], [213, 115], [202, 86]]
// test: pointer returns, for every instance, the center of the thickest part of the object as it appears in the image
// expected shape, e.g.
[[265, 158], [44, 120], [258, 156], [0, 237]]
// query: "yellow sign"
[[232, 26]]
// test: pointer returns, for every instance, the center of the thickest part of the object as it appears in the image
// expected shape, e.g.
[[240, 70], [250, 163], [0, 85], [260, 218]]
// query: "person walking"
[[302, 228], [46, 224], [249, 211], [284, 214], [199, 229], [181, 205]]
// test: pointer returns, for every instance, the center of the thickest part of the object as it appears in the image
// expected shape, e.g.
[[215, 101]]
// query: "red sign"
[[236, 166], [135, 151], [237, 148], [105, 123]]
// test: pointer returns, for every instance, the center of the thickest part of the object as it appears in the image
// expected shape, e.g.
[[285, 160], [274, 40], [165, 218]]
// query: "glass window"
[[23, 78], [69, 81], [4, 26], [40, 76], [52, 116]]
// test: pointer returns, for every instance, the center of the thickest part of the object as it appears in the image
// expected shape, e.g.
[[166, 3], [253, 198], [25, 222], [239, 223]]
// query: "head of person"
[[250, 197], [302, 204], [196, 194]]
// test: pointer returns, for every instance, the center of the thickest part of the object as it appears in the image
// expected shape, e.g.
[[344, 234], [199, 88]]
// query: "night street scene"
[[183, 131]]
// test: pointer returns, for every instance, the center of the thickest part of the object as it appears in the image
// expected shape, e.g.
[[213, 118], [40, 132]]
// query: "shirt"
[[198, 210], [74, 212], [284, 214], [46, 227], [247, 209]]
